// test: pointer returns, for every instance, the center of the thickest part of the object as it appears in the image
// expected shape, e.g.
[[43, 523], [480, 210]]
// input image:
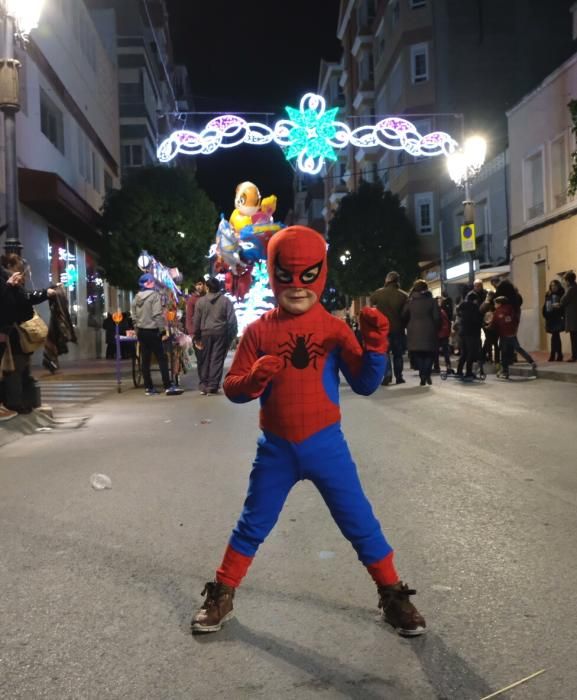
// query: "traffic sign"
[[468, 242]]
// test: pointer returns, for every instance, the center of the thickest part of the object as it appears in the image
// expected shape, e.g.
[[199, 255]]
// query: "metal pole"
[[471, 254], [9, 105]]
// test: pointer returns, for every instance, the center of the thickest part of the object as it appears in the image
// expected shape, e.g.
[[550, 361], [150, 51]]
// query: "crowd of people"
[[208, 320], [480, 328]]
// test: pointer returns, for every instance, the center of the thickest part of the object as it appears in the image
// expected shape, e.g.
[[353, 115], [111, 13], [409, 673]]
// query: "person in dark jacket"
[[390, 300], [215, 327], [471, 321], [422, 318], [480, 291], [569, 306], [20, 392], [554, 318], [505, 288], [110, 336], [15, 307]]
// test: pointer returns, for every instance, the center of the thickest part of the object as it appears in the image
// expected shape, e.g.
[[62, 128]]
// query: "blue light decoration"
[[70, 277], [259, 299], [310, 135]]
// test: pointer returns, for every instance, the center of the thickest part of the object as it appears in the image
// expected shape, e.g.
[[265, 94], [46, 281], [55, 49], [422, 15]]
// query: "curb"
[[39, 421], [545, 374]]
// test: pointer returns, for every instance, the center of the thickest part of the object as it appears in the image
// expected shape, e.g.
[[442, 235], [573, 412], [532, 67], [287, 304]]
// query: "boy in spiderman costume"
[[290, 358]]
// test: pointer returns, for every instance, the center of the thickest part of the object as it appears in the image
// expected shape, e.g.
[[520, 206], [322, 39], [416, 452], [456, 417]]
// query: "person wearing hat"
[[148, 317]]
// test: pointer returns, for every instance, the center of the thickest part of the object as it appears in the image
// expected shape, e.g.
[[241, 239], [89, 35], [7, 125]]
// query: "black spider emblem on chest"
[[300, 351]]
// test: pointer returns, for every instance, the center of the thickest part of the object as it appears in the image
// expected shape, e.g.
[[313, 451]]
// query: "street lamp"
[[20, 17], [463, 166]]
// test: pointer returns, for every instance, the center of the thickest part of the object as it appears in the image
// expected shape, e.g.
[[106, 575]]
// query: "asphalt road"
[[476, 487]]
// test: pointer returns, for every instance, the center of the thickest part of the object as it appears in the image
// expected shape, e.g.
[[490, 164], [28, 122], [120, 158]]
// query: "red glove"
[[263, 370], [374, 329]]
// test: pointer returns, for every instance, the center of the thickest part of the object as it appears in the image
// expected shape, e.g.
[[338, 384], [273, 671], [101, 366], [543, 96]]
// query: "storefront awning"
[[47, 194]]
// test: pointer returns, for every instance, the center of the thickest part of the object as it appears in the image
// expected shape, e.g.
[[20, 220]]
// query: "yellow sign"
[[468, 242], [117, 316]]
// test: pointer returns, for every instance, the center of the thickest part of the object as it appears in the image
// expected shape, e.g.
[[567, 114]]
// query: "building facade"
[[543, 216], [151, 89], [68, 155], [436, 63]]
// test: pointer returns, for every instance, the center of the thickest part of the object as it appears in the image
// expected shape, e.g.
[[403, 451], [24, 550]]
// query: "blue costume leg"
[[327, 462], [274, 473]]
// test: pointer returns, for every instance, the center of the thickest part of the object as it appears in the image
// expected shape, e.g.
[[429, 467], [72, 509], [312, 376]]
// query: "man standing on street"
[[569, 305], [148, 317], [215, 327], [390, 300]]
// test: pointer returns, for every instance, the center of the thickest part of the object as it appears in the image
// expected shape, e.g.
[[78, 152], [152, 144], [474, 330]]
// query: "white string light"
[[311, 135]]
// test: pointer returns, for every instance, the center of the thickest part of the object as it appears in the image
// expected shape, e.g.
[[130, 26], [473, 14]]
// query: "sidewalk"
[[94, 379], [557, 371]]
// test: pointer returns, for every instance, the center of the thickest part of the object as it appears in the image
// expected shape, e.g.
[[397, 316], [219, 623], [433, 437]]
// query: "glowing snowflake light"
[[310, 135]]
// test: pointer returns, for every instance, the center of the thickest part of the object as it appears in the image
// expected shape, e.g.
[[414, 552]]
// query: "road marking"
[[72, 393]]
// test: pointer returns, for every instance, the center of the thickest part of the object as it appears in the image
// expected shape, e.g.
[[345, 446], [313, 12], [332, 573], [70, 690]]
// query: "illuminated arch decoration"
[[311, 135]]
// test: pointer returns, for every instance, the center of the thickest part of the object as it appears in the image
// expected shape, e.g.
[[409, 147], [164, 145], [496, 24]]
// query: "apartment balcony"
[[363, 41], [365, 95]]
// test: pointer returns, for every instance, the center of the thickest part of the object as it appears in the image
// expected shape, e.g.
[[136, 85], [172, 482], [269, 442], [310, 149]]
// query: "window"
[[63, 266], [132, 155], [96, 173], [533, 186], [415, 4], [424, 213], [365, 13], [559, 177], [419, 63], [130, 93], [94, 293], [108, 182], [51, 121], [366, 69]]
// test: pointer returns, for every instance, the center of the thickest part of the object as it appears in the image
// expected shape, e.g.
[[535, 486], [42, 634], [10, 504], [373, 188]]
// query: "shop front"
[[61, 240]]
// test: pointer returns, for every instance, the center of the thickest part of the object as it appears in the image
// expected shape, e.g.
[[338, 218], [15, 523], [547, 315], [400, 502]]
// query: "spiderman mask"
[[297, 266]]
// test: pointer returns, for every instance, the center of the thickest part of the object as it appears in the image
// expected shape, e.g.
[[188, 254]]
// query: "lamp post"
[[20, 17], [463, 166]]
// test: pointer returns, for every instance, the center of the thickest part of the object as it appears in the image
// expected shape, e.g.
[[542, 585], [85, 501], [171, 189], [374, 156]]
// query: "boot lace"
[[213, 591], [401, 595]]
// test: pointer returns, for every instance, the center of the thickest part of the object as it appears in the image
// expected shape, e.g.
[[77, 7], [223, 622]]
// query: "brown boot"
[[398, 610], [216, 610]]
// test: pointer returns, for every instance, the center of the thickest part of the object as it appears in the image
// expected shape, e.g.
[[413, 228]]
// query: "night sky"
[[259, 59]]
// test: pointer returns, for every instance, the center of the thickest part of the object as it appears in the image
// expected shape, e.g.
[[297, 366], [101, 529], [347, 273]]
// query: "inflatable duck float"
[[250, 208]]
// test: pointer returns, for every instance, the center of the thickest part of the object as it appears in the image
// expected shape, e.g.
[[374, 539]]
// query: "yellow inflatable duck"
[[249, 204]]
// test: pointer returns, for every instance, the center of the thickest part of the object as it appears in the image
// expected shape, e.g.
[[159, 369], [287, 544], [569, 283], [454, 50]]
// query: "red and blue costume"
[[291, 362]]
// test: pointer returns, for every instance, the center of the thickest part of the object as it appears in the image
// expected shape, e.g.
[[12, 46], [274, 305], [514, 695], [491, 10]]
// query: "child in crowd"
[[504, 324]]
